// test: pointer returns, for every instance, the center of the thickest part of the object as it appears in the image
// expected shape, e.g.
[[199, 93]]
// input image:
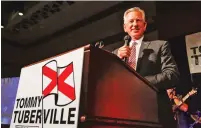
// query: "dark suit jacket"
[[157, 65]]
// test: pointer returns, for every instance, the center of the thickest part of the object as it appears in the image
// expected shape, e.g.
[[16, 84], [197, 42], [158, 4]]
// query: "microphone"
[[99, 44], [127, 39]]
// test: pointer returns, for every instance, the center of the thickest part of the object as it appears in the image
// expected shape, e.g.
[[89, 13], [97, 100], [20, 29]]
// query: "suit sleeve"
[[169, 75]]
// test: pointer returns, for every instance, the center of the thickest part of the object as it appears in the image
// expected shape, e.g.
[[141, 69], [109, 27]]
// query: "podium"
[[88, 89], [114, 96]]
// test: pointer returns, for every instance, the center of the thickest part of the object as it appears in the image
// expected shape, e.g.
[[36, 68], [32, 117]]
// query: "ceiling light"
[[21, 14]]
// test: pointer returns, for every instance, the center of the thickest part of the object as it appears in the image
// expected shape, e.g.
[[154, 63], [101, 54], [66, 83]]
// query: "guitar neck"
[[185, 97]]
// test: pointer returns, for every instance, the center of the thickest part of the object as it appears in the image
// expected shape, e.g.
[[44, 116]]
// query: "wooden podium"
[[114, 96]]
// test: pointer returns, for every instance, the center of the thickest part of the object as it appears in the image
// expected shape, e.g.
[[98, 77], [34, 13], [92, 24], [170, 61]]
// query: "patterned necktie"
[[132, 58]]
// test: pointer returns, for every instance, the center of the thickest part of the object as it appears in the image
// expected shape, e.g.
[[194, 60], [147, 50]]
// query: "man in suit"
[[152, 60]]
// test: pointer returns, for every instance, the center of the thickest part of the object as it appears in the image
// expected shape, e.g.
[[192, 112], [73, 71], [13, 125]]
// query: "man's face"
[[135, 25]]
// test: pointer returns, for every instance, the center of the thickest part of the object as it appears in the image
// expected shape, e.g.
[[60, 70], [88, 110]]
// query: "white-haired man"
[[152, 60]]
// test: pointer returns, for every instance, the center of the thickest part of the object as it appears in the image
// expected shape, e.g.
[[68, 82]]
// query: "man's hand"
[[124, 51]]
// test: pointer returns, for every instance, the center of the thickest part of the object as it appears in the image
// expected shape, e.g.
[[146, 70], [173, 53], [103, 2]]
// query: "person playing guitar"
[[179, 103], [179, 106]]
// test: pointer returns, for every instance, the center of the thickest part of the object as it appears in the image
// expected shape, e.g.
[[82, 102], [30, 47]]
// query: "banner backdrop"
[[48, 95], [193, 47]]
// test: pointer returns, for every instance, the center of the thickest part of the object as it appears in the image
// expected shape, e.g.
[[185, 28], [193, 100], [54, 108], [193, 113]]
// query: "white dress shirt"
[[139, 42]]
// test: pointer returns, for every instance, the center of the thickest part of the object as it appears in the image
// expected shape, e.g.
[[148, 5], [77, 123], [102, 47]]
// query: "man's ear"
[[145, 25], [124, 28]]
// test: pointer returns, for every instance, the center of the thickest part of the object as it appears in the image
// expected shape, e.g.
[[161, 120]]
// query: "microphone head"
[[127, 37]]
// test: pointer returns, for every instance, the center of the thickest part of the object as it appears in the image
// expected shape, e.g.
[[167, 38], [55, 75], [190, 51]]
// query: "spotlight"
[[20, 13]]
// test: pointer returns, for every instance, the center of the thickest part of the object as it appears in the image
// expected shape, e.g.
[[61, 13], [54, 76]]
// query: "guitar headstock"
[[192, 92]]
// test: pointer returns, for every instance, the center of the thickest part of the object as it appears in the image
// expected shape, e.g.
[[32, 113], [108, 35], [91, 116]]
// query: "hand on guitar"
[[179, 105]]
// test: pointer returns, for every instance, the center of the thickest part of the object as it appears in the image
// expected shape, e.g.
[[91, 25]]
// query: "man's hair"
[[133, 10]]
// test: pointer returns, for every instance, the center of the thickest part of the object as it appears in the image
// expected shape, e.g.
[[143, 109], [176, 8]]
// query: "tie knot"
[[134, 43]]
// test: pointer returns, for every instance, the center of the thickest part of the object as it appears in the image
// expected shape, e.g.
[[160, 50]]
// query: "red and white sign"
[[60, 82], [49, 93]]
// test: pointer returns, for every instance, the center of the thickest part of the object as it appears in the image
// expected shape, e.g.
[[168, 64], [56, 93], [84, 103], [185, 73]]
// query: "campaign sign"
[[193, 48], [48, 95]]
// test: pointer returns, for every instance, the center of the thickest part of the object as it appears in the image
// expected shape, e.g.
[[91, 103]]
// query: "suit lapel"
[[143, 46]]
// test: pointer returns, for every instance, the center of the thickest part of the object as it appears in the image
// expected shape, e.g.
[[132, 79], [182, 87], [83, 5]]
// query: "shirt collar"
[[139, 41]]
